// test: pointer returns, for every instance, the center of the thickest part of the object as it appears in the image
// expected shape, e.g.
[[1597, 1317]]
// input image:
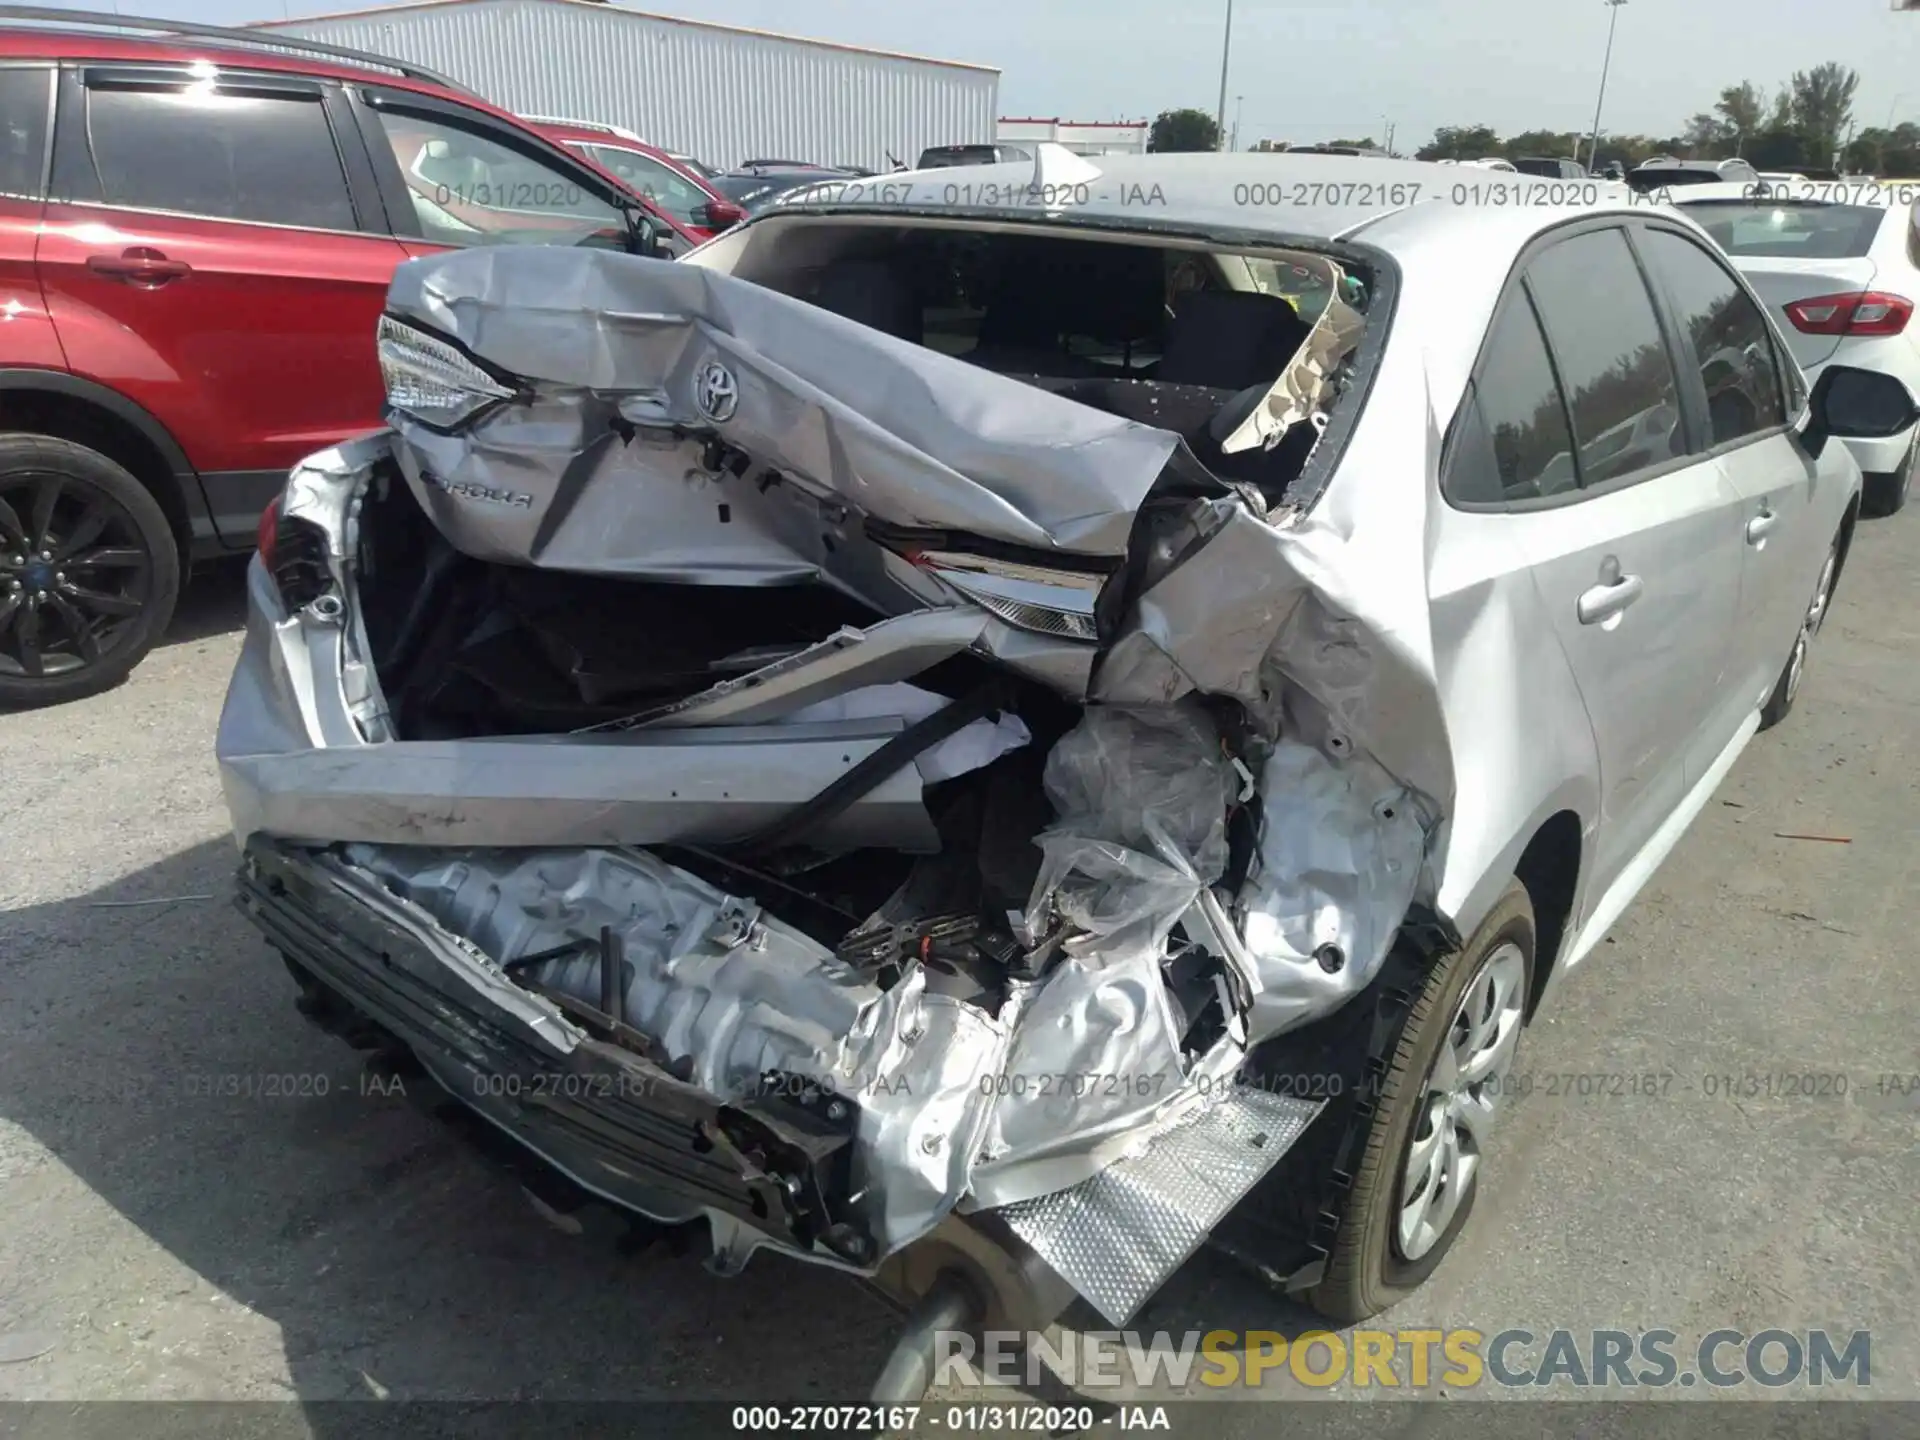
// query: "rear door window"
[[1612, 358], [25, 95], [227, 152], [673, 193], [1725, 333]]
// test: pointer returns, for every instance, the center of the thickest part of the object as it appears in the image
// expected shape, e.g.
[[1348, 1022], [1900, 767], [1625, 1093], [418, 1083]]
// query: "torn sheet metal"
[[732, 993], [1118, 1237], [1342, 844], [1095, 1056], [881, 654], [902, 433], [292, 766], [974, 746]]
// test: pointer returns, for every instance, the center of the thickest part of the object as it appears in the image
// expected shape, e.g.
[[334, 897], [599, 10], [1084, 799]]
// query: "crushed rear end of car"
[[869, 802]]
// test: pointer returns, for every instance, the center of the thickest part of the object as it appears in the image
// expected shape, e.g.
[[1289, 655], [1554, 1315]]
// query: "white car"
[[1842, 270]]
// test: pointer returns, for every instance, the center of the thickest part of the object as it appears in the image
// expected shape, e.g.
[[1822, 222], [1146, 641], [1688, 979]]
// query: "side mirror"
[[645, 235], [722, 214], [1856, 404]]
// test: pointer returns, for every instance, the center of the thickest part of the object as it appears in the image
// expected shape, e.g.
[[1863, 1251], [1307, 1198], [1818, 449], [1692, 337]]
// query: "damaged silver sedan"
[[986, 744]]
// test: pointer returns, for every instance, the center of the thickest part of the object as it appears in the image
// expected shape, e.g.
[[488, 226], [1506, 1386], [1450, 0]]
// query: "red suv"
[[646, 170], [196, 235]]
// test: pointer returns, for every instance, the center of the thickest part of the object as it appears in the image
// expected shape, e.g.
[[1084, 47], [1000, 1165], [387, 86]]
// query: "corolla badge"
[[716, 392], [486, 494]]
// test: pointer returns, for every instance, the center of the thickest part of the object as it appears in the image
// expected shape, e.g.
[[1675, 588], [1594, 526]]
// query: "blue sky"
[[1310, 69]]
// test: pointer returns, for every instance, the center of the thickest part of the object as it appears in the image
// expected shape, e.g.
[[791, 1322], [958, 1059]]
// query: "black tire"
[[1366, 1271], [1787, 688], [77, 622]]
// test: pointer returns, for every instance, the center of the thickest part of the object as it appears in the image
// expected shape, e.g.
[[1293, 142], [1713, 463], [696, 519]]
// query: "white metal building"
[[1088, 137], [718, 92]]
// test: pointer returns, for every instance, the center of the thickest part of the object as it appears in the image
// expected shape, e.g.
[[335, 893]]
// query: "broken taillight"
[[294, 552], [1865, 312], [1038, 598], [267, 536]]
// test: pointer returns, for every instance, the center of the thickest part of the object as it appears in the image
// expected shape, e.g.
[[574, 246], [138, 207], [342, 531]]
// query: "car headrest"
[[874, 293], [1230, 339]]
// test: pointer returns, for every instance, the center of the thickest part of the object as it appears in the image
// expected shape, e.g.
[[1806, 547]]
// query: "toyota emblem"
[[716, 392]]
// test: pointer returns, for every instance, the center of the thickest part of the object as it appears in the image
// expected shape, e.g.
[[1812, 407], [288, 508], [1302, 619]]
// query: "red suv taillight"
[[1865, 312]]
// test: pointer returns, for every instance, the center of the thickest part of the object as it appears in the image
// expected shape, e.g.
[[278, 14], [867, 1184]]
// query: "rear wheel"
[[88, 571], [1438, 1100], [1787, 689]]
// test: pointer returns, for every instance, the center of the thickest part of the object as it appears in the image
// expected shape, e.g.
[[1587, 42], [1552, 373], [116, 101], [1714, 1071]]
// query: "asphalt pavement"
[[202, 1197]]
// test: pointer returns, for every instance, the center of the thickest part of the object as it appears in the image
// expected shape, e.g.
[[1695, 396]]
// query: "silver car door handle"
[[1603, 602], [1759, 526]]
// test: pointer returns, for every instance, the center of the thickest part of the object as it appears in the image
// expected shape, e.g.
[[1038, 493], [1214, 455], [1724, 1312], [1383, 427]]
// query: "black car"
[[758, 184]]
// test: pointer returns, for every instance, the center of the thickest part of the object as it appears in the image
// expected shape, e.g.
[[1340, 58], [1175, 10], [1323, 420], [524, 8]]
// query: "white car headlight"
[[430, 380]]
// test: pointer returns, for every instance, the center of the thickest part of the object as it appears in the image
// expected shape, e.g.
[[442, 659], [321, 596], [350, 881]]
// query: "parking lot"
[[172, 1231]]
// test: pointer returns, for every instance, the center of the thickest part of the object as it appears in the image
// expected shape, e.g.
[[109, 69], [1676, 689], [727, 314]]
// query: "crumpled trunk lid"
[[636, 368]]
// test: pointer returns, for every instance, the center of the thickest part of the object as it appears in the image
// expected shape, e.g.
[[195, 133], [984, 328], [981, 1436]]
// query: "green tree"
[[1553, 144], [1890, 154], [1822, 104], [1460, 142], [1742, 110], [1184, 130], [1704, 136], [1367, 144]]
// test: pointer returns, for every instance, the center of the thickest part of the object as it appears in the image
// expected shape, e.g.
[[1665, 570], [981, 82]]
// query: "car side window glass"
[[468, 188], [1612, 358], [1726, 334], [24, 97], [1512, 442], [226, 154], [675, 194]]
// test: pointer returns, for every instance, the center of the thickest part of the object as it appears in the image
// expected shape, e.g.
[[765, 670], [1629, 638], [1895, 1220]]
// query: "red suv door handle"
[[139, 265]]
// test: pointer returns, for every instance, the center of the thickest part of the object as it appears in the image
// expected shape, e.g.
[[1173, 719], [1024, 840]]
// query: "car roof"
[[58, 42], [1320, 197], [592, 135]]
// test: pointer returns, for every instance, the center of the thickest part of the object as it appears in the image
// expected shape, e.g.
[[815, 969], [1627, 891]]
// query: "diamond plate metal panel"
[[1118, 1237]]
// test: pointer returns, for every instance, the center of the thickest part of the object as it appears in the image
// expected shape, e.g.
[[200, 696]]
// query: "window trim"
[[71, 150], [46, 138], [1518, 282], [370, 101], [1691, 379]]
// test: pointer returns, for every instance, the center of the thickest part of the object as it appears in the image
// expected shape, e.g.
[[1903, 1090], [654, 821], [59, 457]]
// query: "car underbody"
[[851, 795]]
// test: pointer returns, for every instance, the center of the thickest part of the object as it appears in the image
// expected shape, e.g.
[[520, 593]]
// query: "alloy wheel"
[[1460, 1099], [75, 574], [1810, 627]]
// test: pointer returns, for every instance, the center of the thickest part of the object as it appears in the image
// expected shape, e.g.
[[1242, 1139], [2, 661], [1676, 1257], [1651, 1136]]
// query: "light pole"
[[1239, 107], [1593, 144], [1226, 53]]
